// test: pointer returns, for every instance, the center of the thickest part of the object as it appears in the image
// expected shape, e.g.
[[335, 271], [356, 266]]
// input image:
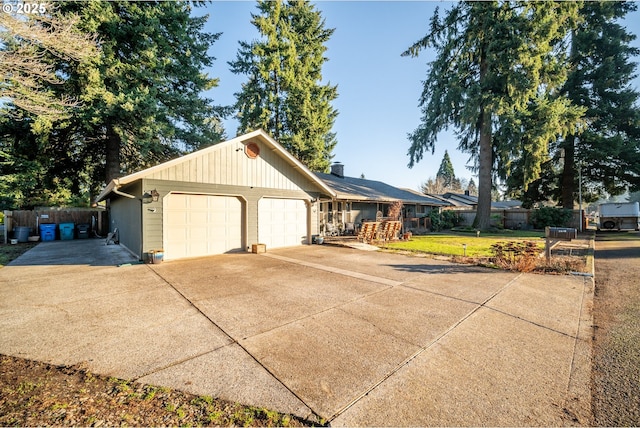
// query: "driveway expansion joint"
[[422, 349], [234, 341], [352, 274]]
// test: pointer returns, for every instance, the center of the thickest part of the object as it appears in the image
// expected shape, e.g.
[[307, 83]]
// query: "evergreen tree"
[[601, 74], [34, 170], [143, 97], [472, 188], [492, 61], [283, 94], [446, 172]]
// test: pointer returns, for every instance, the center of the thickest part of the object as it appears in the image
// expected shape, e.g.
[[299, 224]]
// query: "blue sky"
[[378, 89]]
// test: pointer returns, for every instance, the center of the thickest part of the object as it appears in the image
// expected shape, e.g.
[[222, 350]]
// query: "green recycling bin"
[[66, 231]]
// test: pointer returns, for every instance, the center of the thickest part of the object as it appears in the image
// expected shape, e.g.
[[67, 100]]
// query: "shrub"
[[395, 210], [550, 216], [444, 220], [517, 256]]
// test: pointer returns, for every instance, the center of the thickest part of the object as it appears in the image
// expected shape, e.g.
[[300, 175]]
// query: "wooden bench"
[[368, 231]]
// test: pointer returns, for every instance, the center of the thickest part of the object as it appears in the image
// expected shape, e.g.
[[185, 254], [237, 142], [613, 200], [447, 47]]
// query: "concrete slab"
[[356, 337], [265, 295], [232, 374], [330, 358], [121, 321], [551, 304], [493, 370], [466, 282], [423, 318], [391, 266]]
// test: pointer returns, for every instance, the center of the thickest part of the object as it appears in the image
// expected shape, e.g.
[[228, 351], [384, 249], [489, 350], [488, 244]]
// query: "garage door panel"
[[201, 225], [282, 222]]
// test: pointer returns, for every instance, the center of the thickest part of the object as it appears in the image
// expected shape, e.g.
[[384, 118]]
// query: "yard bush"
[[444, 220], [518, 256], [550, 216]]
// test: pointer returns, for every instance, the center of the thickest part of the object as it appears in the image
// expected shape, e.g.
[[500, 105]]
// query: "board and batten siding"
[[229, 165], [124, 214], [152, 213]]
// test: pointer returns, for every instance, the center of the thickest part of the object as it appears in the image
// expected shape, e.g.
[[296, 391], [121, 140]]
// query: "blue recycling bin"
[[66, 231], [48, 232]]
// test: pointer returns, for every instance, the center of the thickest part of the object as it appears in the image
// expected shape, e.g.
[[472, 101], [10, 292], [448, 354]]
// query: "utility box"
[[561, 233], [66, 231]]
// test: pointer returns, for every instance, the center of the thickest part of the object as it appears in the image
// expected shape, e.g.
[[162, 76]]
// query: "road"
[[616, 350]]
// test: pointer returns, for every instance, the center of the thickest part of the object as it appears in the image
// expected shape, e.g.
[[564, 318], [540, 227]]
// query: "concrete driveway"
[[352, 337]]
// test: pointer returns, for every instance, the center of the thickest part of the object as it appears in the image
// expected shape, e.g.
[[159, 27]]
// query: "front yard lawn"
[[452, 244]]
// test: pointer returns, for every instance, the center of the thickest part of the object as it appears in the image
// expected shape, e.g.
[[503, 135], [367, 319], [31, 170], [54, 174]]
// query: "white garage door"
[[201, 225], [282, 222]]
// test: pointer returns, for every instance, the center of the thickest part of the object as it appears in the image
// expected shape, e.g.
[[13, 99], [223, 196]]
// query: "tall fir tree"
[[283, 93], [446, 172], [602, 69], [472, 188], [143, 97], [492, 60], [34, 169]]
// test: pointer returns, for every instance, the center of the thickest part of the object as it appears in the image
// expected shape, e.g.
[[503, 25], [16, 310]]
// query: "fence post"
[[7, 223]]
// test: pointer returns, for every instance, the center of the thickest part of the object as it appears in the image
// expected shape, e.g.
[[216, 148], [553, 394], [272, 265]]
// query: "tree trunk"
[[483, 210], [569, 173], [485, 159], [112, 156]]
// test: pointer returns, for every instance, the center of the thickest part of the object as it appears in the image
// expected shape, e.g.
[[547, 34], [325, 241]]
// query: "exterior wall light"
[[150, 196]]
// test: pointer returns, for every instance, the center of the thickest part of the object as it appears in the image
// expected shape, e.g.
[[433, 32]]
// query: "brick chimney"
[[337, 169]]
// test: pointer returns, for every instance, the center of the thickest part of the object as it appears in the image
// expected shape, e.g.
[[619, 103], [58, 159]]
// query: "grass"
[[10, 252], [453, 244]]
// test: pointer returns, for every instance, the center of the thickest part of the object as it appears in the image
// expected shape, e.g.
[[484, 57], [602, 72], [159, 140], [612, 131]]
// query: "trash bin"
[[48, 232], [21, 233], [66, 231], [83, 231]]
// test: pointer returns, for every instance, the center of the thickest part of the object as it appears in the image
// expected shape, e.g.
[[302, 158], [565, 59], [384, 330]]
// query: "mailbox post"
[[557, 234]]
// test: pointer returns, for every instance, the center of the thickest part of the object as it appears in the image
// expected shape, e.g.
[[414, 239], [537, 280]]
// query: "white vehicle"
[[624, 215]]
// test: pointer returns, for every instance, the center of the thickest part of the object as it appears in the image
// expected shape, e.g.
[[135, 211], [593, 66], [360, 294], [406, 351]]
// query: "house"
[[465, 201], [358, 199], [223, 198]]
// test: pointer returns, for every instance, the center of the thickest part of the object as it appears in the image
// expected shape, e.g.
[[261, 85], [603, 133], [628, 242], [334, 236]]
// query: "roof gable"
[[234, 162]]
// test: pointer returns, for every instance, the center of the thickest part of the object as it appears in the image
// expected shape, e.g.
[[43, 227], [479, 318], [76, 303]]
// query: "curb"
[[591, 266]]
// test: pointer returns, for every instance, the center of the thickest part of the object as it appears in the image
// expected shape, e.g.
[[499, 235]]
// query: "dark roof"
[[360, 189], [463, 200]]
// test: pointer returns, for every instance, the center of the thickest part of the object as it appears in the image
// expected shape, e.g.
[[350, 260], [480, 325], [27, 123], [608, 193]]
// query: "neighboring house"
[[464, 201], [223, 198], [358, 199]]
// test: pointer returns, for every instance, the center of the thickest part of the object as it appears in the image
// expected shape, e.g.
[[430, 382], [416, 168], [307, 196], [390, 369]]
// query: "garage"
[[225, 197], [201, 225], [282, 222]]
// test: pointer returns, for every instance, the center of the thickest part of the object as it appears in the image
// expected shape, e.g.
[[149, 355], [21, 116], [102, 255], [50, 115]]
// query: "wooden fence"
[[512, 219], [95, 218]]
